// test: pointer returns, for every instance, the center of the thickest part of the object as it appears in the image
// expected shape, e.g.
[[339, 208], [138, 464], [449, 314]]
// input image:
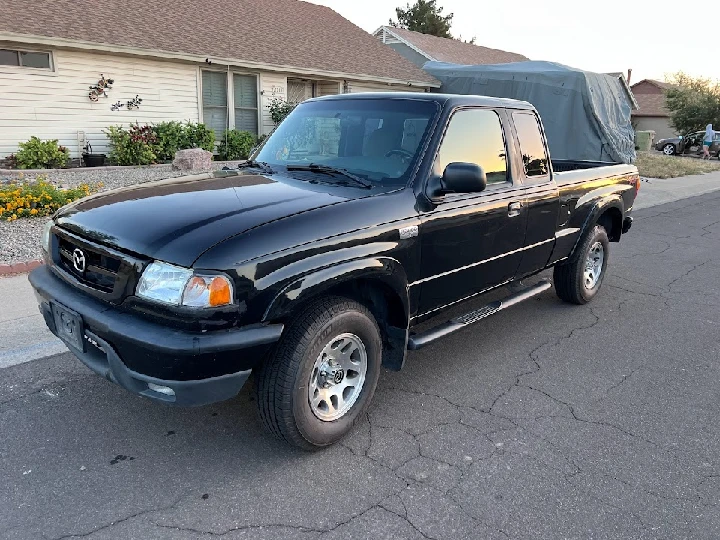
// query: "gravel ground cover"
[[20, 240]]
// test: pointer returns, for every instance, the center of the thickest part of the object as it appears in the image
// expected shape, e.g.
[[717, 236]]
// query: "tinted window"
[[377, 139], [35, 60], [9, 58], [475, 136], [39, 60], [246, 103], [531, 144]]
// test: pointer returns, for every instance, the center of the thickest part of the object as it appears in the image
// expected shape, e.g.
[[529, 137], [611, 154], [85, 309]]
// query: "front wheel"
[[669, 150], [323, 374], [578, 280]]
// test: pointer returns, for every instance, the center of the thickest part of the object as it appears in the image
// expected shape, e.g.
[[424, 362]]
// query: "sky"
[[612, 36]]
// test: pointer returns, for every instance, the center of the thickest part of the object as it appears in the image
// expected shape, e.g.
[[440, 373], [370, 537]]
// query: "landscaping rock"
[[192, 159]]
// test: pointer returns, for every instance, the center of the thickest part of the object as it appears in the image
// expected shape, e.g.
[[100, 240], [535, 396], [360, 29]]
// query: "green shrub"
[[199, 136], [38, 154], [173, 136], [134, 146], [170, 138], [38, 198], [236, 145], [279, 109]]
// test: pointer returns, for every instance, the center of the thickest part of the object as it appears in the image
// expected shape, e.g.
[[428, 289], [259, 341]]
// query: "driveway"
[[545, 421]]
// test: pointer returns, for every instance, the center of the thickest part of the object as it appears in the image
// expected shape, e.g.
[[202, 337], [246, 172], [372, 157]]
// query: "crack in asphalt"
[[706, 227], [119, 521], [406, 519], [693, 269], [248, 528]]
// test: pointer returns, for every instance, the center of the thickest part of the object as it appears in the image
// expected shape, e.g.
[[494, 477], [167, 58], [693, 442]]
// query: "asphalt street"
[[545, 421]]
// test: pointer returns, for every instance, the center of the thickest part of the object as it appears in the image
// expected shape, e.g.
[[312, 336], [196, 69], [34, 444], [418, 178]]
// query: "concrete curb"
[[19, 268]]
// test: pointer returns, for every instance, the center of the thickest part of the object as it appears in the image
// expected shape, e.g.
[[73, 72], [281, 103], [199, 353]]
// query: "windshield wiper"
[[327, 169], [263, 166]]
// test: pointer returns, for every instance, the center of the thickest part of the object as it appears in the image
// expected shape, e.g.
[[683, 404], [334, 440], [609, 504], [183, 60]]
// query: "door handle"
[[514, 209]]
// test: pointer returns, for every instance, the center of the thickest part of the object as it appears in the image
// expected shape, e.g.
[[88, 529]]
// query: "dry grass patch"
[[652, 165]]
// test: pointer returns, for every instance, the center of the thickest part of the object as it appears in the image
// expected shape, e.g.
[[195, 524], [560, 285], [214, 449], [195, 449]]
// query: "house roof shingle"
[[455, 51], [274, 32], [651, 105]]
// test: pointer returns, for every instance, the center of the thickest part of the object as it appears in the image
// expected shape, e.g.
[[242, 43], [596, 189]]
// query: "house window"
[[235, 109], [28, 59], [214, 101], [246, 103]]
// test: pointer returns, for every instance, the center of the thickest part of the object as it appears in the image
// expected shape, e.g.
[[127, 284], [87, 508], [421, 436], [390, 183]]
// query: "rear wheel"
[[323, 374], [669, 150], [578, 280]]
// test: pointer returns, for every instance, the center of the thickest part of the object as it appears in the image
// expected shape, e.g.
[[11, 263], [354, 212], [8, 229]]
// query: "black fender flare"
[[385, 269], [598, 209]]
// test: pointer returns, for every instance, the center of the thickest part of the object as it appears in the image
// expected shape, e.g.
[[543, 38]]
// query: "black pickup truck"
[[310, 265]]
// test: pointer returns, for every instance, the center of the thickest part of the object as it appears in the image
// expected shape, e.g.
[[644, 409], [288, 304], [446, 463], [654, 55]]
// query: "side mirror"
[[464, 178]]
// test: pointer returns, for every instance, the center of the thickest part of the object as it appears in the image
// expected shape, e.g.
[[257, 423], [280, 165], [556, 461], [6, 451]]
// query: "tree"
[[424, 17], [693, 102]]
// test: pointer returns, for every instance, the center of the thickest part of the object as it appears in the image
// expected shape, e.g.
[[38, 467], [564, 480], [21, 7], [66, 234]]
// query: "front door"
[[472, 241]]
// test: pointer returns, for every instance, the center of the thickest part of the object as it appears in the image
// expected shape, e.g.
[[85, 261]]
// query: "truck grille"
[[102, 272], [98, 270]]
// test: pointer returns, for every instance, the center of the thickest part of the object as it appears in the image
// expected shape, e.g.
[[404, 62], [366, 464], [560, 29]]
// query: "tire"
[[572, 283], [286, 381], [669, 150]]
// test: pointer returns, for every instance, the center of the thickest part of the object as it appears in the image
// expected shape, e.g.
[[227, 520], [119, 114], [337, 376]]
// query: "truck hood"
[[176, 220]]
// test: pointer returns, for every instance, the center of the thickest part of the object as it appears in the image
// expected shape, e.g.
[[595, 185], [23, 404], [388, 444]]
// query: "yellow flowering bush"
[[38, 198]]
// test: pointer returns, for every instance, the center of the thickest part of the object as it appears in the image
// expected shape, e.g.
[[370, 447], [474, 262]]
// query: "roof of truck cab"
[[453, 100]]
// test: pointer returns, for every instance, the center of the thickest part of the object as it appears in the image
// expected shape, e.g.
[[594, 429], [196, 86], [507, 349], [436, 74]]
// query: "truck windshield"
[[374, 139]]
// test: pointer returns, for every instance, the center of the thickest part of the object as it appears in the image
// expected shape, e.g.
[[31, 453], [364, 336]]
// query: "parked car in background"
[[688, 144]]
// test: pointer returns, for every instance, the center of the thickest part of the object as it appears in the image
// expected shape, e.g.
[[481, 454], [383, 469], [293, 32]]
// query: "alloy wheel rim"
[[337, 377], [668, 150], [594, 266]]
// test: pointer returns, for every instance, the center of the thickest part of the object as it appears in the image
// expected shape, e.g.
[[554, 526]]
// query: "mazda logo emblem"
[[78, 260]]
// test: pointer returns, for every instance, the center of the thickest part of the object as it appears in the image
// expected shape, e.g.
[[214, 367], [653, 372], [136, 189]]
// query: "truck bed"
[[571, 172]]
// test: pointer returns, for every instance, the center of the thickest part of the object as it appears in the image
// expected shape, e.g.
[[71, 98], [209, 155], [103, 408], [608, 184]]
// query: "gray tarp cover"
[[586, 115]]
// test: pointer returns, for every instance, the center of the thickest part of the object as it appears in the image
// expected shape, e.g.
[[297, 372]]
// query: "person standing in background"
[[708, 140]]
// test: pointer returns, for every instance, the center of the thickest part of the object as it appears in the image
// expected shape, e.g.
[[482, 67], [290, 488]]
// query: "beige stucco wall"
[[661, 126]]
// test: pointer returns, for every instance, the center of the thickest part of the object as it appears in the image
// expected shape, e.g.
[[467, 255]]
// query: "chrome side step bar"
[[418, 341]]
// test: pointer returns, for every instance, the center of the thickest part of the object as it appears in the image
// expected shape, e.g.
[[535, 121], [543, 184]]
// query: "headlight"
[[177, 286], [45, 239]]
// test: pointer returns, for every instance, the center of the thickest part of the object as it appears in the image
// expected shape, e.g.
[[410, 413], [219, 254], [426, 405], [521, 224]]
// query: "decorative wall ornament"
[[131, 104], [100, 88]]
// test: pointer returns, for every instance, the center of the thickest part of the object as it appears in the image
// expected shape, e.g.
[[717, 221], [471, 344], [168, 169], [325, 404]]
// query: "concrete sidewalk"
[[655, 191], [23, 334], [24, 337]]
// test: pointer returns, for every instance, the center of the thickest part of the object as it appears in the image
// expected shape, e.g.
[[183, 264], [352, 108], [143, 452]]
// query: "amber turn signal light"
[[219, 292]]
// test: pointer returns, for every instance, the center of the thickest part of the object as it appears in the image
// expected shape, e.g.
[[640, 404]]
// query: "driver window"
[[475, 136]]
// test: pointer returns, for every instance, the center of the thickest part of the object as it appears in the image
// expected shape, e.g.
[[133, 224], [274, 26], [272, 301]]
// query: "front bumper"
[[162, 363]]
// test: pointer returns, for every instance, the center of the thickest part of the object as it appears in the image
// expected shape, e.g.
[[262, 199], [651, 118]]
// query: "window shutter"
[[214, 96], [246, 103]]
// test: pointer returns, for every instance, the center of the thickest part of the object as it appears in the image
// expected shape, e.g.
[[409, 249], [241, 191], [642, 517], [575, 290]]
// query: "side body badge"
[[408, 232]]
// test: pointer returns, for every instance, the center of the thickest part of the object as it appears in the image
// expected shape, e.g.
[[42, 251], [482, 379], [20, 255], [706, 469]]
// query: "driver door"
[[472, 241]]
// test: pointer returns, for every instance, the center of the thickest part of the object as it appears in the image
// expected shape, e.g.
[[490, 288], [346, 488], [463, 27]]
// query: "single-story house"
[[420, 48], [221, 63], [652, 115]]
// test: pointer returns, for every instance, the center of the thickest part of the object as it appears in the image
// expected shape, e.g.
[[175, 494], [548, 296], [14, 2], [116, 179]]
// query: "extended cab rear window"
[[532, 147]]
